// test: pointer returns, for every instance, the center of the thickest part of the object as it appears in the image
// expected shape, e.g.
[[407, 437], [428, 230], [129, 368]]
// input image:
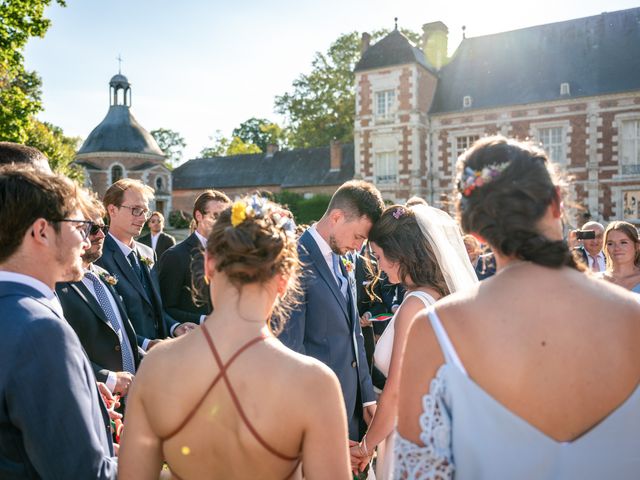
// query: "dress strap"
[[450, 354], [234, 397], [427, 299], [213, 382]]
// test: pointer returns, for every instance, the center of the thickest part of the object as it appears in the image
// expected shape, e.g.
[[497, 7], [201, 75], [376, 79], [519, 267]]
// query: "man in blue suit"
[[52, 422], [325, 324], [127, 205]]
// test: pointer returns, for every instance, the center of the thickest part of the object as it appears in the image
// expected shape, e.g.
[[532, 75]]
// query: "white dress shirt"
[[154, 240], [601, 261], [122, 333]]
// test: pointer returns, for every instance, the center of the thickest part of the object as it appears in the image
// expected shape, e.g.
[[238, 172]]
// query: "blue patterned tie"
[[342, 282], [135, 264], [101, 294]]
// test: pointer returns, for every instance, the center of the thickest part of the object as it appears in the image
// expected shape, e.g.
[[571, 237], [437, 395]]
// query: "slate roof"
[[289, 168], [120, 132], [394, 49], [596, 55]]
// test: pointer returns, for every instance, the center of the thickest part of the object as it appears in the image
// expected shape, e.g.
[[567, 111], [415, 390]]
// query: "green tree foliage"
[[259, 132], [171, 143], [321, 105], [20, 97], [59, 149], [224, 147]]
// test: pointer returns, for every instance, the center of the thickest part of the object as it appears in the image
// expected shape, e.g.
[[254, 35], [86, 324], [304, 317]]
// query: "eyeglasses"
[[85, 226], [138, 211], [95, 228]]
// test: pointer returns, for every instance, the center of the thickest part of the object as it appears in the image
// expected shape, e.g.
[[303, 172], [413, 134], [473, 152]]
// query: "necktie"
[[101, 294], [135, 264], [595, 266], [342, 282]]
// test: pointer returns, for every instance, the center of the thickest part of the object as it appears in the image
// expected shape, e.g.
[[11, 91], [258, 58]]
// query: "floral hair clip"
[[257, 207], [398, 213], [472, 179]]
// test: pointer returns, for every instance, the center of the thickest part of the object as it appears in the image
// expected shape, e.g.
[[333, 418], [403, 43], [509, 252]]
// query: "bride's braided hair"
[[505, 209]]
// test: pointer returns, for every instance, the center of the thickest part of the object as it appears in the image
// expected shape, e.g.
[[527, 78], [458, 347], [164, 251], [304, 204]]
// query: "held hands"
[[112, 402], [183, 329], [360, 456], [123, 382]]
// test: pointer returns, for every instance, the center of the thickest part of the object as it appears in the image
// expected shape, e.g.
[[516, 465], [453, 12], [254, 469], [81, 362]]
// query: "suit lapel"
[[150, 280], [323, 269], [84, 293], [126, 268]]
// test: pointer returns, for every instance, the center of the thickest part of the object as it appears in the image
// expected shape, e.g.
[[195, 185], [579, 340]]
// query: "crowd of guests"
[[378, 342]]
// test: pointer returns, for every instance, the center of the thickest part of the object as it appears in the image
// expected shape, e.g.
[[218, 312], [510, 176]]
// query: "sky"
[[197, 66]]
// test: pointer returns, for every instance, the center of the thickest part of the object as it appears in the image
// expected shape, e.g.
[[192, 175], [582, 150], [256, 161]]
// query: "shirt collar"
[[324, 247], [36, 284], [202, 239], [126, 249]]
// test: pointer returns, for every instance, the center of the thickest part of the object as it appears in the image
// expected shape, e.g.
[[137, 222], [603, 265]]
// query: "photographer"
[[590, 252]]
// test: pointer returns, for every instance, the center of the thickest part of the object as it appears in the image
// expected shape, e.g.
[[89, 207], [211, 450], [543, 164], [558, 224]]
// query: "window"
[[463, 143], [467, 101], [384, 103], [159, 183], [116, 173], [385, 168], [630, 146], [554, 143], [565, 89]]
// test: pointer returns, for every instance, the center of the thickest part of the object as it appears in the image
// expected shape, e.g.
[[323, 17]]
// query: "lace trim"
[[433, 461]]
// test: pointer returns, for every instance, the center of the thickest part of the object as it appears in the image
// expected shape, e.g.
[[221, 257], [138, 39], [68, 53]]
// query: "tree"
[[223, 147], [321, 106], [171, 143], [59, 149], [20, 96], [259, 132]]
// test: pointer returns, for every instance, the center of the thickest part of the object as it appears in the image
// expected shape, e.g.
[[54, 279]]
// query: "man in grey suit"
[[53, 423], [325, 324], [127, 204]]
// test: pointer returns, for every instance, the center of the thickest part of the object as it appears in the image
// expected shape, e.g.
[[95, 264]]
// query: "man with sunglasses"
[[127, 205], [181, 268], [53, 423], [94, 309]]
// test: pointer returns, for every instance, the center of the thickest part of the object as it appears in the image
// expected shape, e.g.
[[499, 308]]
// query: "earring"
[[206, 280]]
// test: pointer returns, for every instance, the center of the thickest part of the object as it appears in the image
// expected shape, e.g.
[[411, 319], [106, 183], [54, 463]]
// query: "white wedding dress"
[[382, 361]]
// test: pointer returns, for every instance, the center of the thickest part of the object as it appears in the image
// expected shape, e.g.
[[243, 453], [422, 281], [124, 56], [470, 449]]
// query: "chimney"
[[364, 43], [435, 37], [271, 149], [335, 149]]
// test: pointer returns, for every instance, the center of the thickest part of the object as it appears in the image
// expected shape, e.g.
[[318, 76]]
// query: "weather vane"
[[119, 58]]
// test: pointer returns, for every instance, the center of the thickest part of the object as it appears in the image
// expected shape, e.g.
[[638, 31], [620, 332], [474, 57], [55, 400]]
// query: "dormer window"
[[565, 89], [467, 101], [159, 184], [384, 103]]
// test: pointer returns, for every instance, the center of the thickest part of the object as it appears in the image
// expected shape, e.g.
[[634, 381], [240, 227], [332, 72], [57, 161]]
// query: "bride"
[[421, 248]]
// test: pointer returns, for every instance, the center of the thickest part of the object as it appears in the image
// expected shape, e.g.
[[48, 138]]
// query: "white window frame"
[[388, 97], [629, 145], [557, 150], [116, 164], [470, 139], [385, 167], [467, 101]]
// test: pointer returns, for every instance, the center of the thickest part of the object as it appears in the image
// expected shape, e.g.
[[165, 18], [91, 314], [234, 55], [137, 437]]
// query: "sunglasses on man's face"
[[95, 228]]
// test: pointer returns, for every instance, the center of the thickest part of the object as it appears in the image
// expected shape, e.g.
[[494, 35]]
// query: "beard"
[[335, 248], [93, 254], [72, 259]]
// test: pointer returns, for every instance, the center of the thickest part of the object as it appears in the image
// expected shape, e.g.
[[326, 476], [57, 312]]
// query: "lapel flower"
[[348, 265], [146, 260], [107, 278]]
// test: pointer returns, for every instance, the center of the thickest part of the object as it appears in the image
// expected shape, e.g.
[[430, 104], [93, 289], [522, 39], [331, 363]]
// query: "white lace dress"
[[382, 361]]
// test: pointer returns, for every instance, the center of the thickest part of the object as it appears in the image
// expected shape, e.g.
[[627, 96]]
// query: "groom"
[[325, 324]]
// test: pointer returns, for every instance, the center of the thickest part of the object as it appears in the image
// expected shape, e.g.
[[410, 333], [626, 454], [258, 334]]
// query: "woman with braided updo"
[[532, 373], [229, 400]]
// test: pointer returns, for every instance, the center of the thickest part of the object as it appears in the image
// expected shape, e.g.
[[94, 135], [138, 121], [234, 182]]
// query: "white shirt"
[[36, 284], [202, 239], [124, 340], [154, 240], [327, 254], [599, 258]]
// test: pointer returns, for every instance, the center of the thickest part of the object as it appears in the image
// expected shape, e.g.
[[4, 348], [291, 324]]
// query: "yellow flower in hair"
[[238, 213]]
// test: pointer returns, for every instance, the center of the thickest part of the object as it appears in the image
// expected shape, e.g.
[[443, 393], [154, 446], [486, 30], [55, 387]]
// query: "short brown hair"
[[20, 154], [92, 207], [114, 194], [157, 214], [27, 194], [205, 197], [356, 199]]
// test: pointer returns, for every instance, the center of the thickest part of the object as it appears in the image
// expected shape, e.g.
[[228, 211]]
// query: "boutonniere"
[[110, 279], [146, 260], [348, 265]]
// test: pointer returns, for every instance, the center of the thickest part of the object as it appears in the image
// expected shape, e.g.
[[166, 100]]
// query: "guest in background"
[[591, 249], [22, 154], [622, 249], [484, 264], [533, 373], [156, 238], [185, 295]]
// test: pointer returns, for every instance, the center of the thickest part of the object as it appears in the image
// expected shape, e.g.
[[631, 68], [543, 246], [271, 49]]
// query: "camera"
[[585, 234]]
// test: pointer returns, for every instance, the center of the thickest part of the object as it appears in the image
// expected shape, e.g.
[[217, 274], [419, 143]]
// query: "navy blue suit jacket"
[[326, 326], [146, 314], [52, 422]]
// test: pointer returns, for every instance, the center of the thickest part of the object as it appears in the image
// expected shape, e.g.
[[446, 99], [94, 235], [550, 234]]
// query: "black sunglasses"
[[95, 228]]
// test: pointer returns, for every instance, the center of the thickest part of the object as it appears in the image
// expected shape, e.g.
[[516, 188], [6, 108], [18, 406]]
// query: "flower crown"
[[258, 207], [472, 179]]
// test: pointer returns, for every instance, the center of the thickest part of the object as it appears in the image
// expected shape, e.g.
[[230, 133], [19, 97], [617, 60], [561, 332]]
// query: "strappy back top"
[[222, 374], [466, 431]]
